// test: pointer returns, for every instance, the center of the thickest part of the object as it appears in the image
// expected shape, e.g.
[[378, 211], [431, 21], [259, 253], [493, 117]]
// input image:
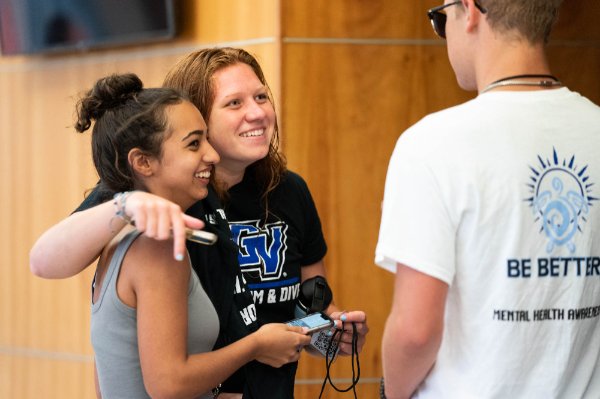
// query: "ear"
[[472, 15], [140, 162]]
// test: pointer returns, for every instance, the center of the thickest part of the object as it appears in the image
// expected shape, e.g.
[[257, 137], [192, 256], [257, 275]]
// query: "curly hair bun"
[[108, 93]]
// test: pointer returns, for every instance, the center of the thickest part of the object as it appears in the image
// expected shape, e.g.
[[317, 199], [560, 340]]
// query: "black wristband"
[[382, 389]]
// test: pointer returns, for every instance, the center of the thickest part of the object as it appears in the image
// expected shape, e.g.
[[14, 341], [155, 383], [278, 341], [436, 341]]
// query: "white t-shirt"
[[498, 197]]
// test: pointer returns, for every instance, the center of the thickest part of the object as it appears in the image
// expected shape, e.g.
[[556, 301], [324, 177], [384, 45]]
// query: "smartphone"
[[200, 236], [314, 322]]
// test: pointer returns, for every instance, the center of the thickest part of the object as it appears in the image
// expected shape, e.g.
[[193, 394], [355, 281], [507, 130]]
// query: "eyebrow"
[[228, 96], [195, 132]]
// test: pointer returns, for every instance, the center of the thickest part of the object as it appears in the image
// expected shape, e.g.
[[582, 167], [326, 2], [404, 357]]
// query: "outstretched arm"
[[71, 245], [413, 331]]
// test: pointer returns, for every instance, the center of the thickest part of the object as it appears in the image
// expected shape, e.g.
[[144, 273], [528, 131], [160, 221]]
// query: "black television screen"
[[46, 26]]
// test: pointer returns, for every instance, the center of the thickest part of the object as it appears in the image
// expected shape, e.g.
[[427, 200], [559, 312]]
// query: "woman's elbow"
[[38, 262], [170, 386], [162, 390]]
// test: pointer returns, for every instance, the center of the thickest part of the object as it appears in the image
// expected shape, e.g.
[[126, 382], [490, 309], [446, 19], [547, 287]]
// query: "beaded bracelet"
[[216, 391], [120, 202]]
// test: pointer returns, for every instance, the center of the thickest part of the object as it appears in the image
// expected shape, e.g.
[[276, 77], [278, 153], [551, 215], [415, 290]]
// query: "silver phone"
[[314, 322], [200, 236]]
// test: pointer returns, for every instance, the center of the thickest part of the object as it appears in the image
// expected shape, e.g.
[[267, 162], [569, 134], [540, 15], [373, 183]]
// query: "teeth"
[[203, 175], [253, 133]]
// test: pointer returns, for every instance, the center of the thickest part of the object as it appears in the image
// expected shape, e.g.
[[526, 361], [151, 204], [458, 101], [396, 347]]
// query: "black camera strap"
[[354, 358]]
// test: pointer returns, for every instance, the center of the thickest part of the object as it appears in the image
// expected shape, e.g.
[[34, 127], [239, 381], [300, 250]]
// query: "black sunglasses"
[[438, 18]]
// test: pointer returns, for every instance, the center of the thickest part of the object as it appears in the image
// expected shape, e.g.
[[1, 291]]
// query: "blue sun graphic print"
[[561, 198]]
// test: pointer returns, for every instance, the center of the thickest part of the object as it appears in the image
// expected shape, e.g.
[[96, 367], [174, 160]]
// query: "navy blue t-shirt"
[[274, 248]]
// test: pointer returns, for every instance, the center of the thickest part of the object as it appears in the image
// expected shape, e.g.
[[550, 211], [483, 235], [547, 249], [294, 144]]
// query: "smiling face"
[[242, 120], [183, 171]]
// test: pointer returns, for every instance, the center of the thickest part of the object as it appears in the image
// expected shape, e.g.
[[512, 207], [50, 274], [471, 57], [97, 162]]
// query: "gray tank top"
[[114, 331]]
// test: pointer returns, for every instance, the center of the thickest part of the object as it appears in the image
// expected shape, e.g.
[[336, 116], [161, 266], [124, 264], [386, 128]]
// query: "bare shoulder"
[[155, 256], [149, 267]]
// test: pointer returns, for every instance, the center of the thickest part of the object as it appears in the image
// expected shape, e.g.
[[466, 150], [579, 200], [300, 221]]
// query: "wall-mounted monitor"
[[51, 26]]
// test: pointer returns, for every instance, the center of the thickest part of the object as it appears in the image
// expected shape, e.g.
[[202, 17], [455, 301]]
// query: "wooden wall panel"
[[574, 47], [578, 67], [577, 22], [36, 375], [391, 19], [230, 20]]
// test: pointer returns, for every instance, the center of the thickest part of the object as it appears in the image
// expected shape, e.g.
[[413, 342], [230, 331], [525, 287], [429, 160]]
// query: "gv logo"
[[261, 249]]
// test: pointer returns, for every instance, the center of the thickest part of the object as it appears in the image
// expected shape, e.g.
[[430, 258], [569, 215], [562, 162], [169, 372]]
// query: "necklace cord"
[[547, 81], [524, 77]]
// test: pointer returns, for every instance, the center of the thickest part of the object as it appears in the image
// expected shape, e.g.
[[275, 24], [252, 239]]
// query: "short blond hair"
[[529, 19]]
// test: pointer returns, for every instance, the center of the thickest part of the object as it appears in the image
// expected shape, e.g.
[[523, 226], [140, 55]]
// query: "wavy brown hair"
[[193, 75]]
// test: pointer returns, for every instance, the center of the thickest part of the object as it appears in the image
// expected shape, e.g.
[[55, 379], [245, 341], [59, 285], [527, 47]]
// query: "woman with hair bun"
[[153, 325]]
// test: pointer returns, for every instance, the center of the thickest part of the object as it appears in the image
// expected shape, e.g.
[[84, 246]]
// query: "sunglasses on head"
[[438, 18]]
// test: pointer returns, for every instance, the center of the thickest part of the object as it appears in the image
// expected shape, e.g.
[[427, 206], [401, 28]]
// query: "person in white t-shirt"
[[491, 223]]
